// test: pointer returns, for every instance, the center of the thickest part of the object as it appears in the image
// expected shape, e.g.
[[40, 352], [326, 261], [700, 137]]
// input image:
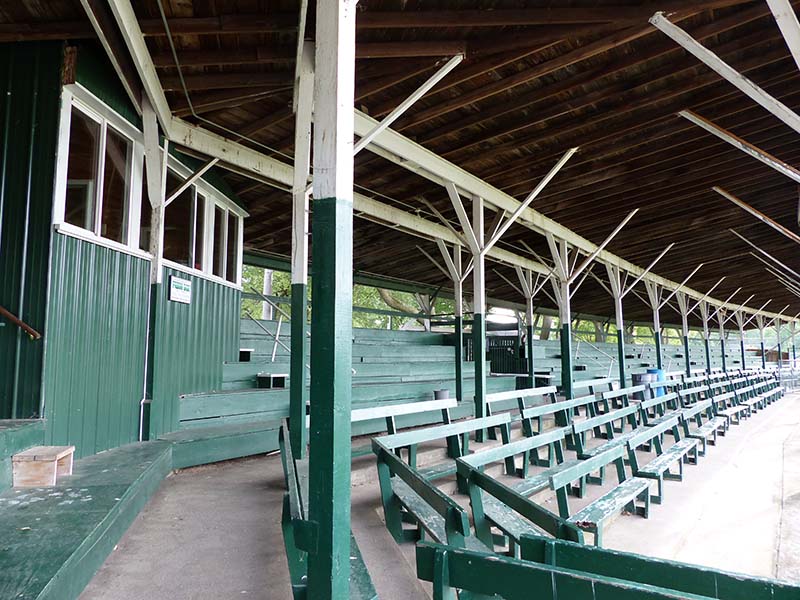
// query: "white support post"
[[329, 470], [617, 293], [298, 391], [476, 233], [683, 308], [156, 166], [787, 22], [654, 296]]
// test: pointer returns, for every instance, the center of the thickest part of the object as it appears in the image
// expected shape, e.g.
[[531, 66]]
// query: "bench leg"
[[598, 536], [597, 480], [441, 578], [657, 498]]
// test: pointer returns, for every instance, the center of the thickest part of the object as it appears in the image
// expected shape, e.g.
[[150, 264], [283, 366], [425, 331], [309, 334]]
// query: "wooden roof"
[[539, 77]]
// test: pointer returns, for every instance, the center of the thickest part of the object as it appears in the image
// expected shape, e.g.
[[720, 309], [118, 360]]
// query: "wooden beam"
[[218, 81], [204, 102], [758, 215]]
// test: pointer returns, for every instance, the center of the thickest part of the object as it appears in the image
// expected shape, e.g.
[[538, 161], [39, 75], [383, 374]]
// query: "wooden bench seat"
[[705, 433], [523, 398], [593, 517], [293, 520], [41, 466]]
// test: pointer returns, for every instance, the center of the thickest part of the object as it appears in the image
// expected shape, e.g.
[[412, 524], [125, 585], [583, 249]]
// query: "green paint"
[[189, 344], [30, 87], [96, 342], [621, 354], [529, 351], [659, 353], [763, 356], [459, 357], [744, 361], [331, 381], [479, 356], [707, 347], [686, 356], [566, 361], [16, 436], [722, 350], [298, 392]]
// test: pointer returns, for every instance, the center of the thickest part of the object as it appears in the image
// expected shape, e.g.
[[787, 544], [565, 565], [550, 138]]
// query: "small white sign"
[[180, 290]]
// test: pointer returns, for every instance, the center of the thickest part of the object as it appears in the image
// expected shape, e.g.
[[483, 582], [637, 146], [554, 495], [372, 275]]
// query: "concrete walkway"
[[214, 532]]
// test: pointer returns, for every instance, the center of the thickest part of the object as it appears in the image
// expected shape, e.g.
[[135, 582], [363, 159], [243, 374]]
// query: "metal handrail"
[[15, 320]]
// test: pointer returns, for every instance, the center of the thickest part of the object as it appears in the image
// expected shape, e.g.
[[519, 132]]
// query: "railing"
[[32, 333]]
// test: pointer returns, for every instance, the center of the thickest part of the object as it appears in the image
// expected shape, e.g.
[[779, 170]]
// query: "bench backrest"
[[498, 453], [621, 413], [549, 390], [438, 432], [657, 401], [611, 394], [696, 408], [566, 476], [555, 407], [645, 434], [692, 394], [593, 385], [455, 517], [397, 410]]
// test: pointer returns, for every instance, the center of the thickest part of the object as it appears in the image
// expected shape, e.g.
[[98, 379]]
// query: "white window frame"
[[213, 198], [89, 104], [78, 97]]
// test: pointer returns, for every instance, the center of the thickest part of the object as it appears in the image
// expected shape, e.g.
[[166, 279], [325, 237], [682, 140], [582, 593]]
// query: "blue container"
[[659, 373]]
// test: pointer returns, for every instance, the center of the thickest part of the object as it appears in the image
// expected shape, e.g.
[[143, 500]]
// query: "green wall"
[[96, 342], [188, 345], [29, 101]]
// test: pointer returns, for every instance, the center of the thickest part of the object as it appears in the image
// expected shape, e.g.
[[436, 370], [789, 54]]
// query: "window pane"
[[199, 232], [146, 216], [233, 242], [84, 143], [114, 218], [219, 241], [178, 222]]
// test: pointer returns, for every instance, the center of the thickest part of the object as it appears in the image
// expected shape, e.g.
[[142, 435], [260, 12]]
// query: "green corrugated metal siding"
[[29, 100], [189, 344], [96, 343]]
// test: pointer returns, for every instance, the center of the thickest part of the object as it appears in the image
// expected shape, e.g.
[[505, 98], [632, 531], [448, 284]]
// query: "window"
[[96, 172], [102, 194], [84, 146]]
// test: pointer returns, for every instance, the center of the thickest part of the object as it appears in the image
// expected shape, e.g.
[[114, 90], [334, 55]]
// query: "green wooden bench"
[[298, 535], [521, 399], [507, 505], [489, 575], [658, 469], [658, 408], [593, 386], [564, 413], [687, 580], [693, 393], [593, 517], [731, 406], [620, 398], [456, 436], [409, 497], [604, 425], [705, 433]]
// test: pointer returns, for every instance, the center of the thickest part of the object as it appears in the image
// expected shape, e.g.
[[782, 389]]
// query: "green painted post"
[[708, 353], [686, 355], [566, 360], [332, 293], [763, 353], [744, 362], [529, 352], [621, 352], [722, 348], [659, 355], [298, 391], [459, 330], [479, 354]]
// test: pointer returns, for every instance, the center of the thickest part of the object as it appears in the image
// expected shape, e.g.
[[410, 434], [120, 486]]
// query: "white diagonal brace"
[[577, 271], [707, 294], [746, 147], [722, 306], [190, 180], [739, 308], [773, 105], [531, 197], [765, 253], [408, 102], [680, 286], [525, 281], [758, 313], [513, 285], [435, 263], [463, 218], [787, 22], [455, 273], [647, 270]]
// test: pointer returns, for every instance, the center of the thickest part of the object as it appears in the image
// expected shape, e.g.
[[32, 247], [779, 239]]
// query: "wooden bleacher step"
[[41, 466]]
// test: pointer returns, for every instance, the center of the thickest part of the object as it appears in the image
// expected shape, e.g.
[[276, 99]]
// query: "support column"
[[332, 317], [706, 334], [565, 317], [617, 293], [458, 292], [683, 306], [721, 319], [529, 329], [478, 312], [778, 325], [298, 392]]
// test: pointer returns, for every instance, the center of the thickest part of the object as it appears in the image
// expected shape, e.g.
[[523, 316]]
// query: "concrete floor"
[[214, 531]]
